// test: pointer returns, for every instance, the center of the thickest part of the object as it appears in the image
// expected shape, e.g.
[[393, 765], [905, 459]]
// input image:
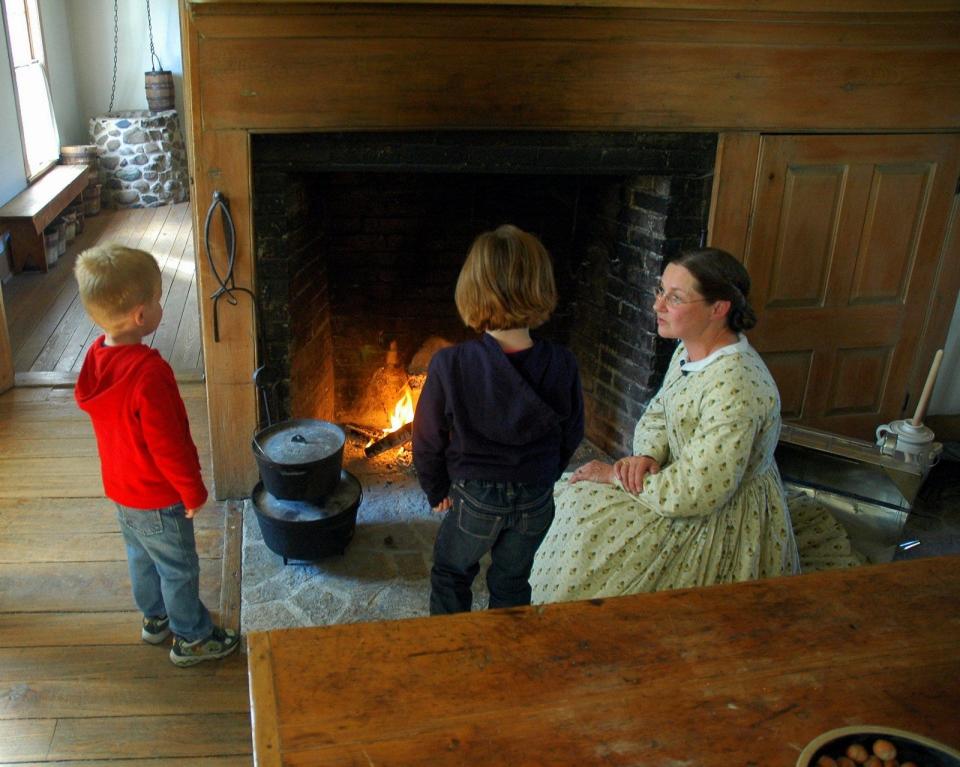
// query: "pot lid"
[[298, 441], [344, 497]]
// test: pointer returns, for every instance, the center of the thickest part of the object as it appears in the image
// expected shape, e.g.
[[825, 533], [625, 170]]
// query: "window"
[[38, 125]]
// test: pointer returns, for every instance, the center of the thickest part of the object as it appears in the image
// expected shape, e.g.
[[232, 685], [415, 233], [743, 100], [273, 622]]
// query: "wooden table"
[[744, 674]]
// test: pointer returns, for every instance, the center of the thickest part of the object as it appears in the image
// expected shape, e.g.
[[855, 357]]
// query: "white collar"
[[693, 367]]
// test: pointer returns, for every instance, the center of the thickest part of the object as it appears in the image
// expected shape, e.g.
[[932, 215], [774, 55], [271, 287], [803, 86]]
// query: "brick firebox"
[[359, 238]]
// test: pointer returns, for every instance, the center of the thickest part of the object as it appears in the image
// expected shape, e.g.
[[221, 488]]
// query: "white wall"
[[58, 47], [946, 394], [91, 23]]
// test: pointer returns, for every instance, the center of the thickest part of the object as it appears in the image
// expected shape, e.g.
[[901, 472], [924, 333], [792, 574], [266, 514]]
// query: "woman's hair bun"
[[741, 318]]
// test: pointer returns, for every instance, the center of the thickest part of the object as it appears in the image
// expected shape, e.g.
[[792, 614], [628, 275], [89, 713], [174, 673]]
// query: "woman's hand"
[[595, 471], [632, 470], [443, 506]]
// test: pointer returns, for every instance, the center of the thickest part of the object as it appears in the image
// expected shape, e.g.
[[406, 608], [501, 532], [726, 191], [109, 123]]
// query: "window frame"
[[38, 52]]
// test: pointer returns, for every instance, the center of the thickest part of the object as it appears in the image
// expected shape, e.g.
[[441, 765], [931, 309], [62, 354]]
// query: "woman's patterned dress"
[[715, 512]]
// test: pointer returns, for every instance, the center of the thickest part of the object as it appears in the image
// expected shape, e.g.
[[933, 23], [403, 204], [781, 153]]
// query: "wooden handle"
[[921, 410]]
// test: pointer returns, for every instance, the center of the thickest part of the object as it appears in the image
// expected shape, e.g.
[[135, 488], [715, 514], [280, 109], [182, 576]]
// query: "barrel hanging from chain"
[[159, 82]]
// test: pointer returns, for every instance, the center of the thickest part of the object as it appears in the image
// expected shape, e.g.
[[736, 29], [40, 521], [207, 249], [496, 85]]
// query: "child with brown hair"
[[497, 422], [148, 461]]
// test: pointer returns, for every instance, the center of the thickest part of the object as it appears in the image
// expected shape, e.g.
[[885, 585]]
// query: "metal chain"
[[153, 53], [116, 38]]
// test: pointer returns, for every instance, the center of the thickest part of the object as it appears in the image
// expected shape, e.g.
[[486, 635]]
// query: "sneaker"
[[155, 630], [219, 644]]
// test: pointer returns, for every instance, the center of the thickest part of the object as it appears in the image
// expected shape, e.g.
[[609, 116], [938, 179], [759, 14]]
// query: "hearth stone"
[[384, 573]]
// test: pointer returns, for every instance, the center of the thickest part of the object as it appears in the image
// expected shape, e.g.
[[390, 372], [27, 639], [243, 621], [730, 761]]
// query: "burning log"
[[388, 441], [368, 433]]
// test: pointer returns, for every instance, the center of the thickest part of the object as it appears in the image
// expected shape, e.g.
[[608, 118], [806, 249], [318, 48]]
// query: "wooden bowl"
[[925, 751]]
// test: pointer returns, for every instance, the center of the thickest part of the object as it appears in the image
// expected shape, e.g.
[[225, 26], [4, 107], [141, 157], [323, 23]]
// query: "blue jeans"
[[164, 568], [508, 519]]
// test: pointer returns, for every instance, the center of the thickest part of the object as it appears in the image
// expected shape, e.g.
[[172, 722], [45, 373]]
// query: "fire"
[[402, 411]]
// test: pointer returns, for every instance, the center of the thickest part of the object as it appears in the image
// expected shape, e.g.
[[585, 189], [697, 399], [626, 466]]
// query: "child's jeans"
[[165, 569], [508, 519]]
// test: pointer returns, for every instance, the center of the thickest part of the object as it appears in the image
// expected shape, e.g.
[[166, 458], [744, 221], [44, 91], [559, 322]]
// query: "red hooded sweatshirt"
[[147, 456]]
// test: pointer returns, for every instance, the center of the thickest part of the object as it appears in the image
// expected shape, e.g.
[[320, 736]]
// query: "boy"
[[148, 461]]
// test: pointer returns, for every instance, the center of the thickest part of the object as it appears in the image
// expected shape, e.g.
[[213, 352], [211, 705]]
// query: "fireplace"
[[359, 239], [260, 70]]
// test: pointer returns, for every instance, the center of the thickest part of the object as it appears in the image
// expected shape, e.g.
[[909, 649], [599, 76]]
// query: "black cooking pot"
[[309, 531], [300, 459]]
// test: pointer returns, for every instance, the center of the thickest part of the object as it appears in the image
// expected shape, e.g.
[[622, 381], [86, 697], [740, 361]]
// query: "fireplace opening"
[[359, 239]]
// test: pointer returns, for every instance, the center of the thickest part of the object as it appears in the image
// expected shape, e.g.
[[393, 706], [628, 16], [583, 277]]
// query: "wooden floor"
[[49, 331], [77, 686]]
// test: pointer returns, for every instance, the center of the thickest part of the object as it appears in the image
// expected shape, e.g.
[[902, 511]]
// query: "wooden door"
[[844, 250]]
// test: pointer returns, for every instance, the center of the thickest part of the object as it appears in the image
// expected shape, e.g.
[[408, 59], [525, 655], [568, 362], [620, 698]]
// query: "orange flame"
[[402, 411]]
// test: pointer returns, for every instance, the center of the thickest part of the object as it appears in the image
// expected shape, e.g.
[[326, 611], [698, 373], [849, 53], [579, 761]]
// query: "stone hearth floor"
[[384, 572]]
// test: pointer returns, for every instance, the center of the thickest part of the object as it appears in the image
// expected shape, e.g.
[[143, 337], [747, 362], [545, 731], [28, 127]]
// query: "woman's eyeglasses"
[[672, 299]]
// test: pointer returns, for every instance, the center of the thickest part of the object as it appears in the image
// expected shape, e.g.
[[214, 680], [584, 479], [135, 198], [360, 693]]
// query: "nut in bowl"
[[874, 746]]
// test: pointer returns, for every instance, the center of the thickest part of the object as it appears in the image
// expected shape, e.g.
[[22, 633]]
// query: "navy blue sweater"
[[486, 414]]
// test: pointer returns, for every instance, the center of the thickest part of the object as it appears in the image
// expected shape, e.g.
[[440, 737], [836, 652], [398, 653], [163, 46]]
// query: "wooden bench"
[[31, 211]]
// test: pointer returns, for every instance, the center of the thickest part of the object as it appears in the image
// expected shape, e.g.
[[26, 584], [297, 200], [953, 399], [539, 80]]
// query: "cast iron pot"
[[300, 459], [308, 531]]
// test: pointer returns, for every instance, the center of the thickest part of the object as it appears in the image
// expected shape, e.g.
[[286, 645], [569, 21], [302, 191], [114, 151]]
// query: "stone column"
[[143, 160]]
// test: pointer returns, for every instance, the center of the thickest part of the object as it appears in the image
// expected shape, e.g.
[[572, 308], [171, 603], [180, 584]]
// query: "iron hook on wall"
[[226, 282], [265, 377]]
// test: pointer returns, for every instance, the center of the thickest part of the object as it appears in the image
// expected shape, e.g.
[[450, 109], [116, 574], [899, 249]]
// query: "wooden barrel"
[[159, 90], [82, 154], [91, 200]]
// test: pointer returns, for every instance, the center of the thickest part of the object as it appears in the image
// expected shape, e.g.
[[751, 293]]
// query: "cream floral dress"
[[715, 512]]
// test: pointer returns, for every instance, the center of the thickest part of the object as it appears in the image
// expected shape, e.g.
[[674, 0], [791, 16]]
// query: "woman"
[[700, 501]]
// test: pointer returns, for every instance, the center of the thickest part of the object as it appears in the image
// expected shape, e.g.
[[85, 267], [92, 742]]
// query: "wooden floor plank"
[[129, 666], [77, 684], [243, 760], [136, 223], [137, 660], [207, 689], [71, 546], [70, 630], [42, 327], [188, 348], [82, 586], [65, 447], [59, 341], [20, 741], [155, 221], [163, 244], [48, 327], [173, 309], [81, 336], [150, 736], [93, 516], [116, 627]]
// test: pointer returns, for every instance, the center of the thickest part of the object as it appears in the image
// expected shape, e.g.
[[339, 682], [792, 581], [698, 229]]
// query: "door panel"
[[843, 251]]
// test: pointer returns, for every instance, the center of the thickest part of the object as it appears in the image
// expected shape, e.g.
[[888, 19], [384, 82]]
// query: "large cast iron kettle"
[[300, 459]]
